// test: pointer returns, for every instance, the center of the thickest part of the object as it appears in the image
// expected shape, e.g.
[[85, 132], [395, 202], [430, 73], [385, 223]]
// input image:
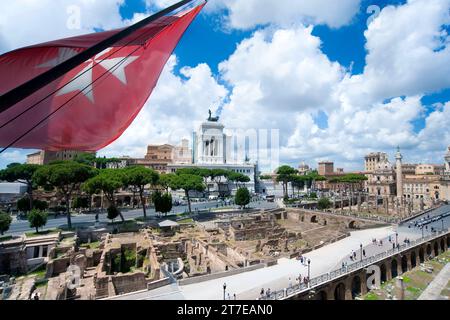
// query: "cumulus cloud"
[[251, 13], [27, 22], [283, 79], [408, 53]]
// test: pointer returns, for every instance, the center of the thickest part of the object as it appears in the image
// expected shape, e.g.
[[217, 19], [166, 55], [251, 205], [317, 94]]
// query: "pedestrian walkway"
[[381, 245], [433, 291]]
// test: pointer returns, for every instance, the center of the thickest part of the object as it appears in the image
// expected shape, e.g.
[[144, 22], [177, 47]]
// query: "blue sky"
[[213, 40]]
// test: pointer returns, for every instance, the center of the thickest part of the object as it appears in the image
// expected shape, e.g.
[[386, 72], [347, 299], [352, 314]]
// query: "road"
[[18, 227]]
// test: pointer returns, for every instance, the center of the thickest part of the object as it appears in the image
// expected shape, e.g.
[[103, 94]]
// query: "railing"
[[320, 280]]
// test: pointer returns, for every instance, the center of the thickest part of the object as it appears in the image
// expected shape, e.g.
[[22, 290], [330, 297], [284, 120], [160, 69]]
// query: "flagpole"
[[11, 98]]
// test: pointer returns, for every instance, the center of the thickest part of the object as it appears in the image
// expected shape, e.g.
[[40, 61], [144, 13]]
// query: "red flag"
[[92, 105]]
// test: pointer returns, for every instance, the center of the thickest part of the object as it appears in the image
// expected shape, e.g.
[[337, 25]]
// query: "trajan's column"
[[399, 176]]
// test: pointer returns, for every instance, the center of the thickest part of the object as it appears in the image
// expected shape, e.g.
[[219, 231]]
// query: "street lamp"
[[224, 291], [361, 247], [422, 232], [309, 272], [442, 223], [396, 239]]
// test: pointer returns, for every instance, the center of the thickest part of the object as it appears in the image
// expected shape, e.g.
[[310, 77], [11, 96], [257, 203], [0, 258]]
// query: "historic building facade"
[[45, 157], [212, 149], [412, 185]]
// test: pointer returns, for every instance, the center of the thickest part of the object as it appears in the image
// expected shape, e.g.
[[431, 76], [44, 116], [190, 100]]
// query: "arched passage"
[[448, 242], [404, 264], [339, 292], [442, 245], [429, 251], [322, 296], [394, 268], [436, 249], [421, 255], [383, 273], [314, 219], [352, 225], [413, 259], [356, 287]]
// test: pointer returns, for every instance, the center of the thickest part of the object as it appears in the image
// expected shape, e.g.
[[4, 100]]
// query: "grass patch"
[[187, 220], [42, 233], [39, 273], [5, 238], [371, 296], [41, 283], [92, 245]]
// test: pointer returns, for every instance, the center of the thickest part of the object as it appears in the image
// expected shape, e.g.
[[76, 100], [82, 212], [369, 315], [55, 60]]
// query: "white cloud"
[[282, 79], [408, 53], [27, 22], [251, 13], [277, 74]]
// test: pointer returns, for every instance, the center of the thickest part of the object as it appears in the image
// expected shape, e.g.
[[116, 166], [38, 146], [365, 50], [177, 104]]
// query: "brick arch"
[[436, 249], [413, 259], [429, 251], [356, 286], [421, 254], [383, 273], [339, 291], [442, 245], [352, 225], [404, 263], [394, 268], [321, 295], [314, 219]]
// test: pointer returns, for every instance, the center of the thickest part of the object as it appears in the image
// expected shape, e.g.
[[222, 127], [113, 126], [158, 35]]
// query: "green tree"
[[112, 213], [314, 177], [165, 181], [37, 219], [163, 202], [188, 183], [138, 178], [85, 158], [298, 182], [80, 203], [323, 204], [242, 198], [238, 179], [284, 174], [23, 205], [22, 173], [5, 222], [66, 177], [352, 180], [109, 182], [40, 205]]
